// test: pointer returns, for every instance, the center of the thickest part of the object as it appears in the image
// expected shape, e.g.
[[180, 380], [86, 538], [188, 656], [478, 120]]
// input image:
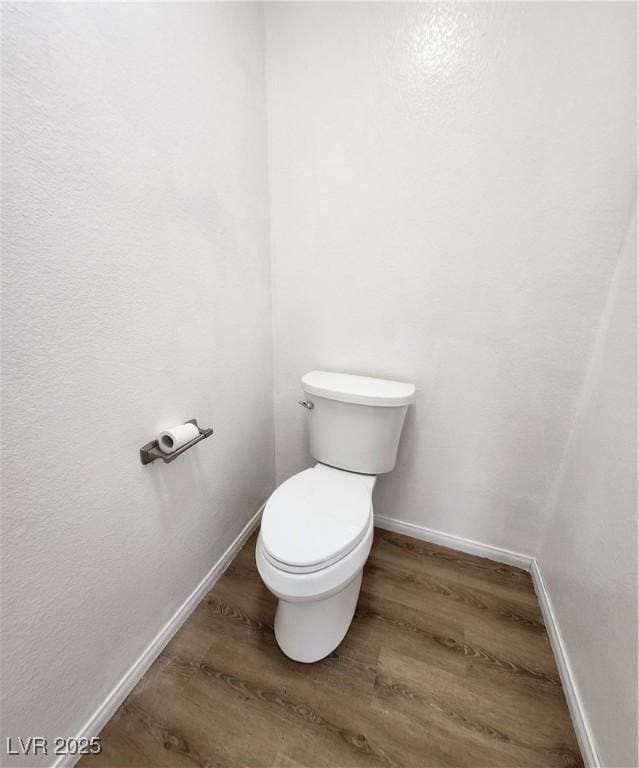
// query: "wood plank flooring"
[[446, 663]]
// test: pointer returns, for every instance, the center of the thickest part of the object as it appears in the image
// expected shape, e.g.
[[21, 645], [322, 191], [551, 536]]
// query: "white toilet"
[[317, 527]]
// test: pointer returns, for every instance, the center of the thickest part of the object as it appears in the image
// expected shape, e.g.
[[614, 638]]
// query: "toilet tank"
[[355, 422]]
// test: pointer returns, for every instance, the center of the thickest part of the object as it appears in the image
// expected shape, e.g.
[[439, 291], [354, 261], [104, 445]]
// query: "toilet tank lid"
[[362, 390]]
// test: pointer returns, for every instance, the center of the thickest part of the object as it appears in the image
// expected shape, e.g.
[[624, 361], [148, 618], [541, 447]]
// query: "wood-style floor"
[[446, 663]]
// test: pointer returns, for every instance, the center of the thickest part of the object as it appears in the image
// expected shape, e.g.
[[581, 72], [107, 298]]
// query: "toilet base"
[[309, 631]]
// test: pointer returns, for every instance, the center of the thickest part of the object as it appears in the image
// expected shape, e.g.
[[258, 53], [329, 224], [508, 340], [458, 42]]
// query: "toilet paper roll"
[[172, 439]]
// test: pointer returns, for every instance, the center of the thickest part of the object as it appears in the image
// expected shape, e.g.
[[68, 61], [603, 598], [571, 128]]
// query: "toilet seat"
[[314, 567], [316, 518], [317, 585]]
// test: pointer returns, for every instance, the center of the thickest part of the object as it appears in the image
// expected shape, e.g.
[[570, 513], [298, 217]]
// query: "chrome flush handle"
[[306, 404]]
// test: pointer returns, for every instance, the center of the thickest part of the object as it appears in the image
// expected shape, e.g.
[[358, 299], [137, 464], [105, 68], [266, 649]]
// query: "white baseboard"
[[459, 543], [583, 731], [584, 734], [109, 706]]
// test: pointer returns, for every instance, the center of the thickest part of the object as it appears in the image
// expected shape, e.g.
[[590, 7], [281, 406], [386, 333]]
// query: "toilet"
[[317, 526]]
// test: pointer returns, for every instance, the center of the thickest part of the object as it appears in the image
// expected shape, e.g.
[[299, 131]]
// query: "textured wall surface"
[[136, 295], [449, 187], [589, 553]]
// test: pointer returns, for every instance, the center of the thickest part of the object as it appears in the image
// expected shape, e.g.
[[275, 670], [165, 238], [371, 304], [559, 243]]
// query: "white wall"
[[589, 553], [136, 295], [449, 186]]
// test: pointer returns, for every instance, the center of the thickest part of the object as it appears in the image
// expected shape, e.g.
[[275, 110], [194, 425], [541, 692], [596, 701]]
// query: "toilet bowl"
[[317, 526], [316, 534]]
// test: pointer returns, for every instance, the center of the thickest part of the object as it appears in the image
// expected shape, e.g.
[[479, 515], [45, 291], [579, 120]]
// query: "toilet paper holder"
[[151, 451]]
